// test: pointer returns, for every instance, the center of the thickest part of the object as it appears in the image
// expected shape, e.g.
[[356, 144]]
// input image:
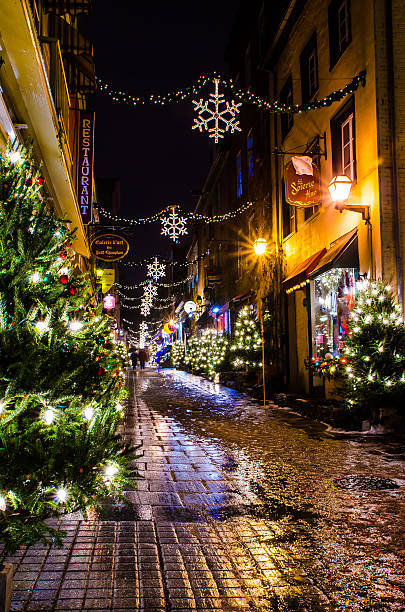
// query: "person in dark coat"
[[142, 358], [134, 358]]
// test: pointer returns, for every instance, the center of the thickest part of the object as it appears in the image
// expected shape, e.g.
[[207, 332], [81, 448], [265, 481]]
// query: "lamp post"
[[260, 248]]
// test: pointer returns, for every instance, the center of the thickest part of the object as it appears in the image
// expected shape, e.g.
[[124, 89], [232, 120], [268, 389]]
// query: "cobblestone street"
[[240, 508]]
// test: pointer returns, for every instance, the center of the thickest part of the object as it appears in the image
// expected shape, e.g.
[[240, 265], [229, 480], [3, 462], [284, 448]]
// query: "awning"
[[344, 253], [242, 297], [300, 274]]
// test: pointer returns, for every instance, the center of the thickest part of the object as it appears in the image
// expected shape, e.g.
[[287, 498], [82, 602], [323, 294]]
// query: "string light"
[[243, 96], [49, 416], [110, 471], [62, 495], [3, 504], [88, 413], [75, 325], [42, 326], [35, 277]]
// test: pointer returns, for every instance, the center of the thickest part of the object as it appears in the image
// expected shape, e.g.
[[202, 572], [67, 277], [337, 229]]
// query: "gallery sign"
[[109, 247], [85, 165], [301, 189]]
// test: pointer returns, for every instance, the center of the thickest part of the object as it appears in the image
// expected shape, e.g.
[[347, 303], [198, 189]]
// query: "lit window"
[[239, 174], [347, 147], [250, 153]]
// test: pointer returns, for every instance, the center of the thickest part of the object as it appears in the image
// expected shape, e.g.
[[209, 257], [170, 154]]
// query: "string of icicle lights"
[[139, 306], [247, 97], [142, 262], [187, 214]]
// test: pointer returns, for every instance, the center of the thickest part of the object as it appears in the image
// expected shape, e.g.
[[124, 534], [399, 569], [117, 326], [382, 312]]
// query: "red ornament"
[[63, 255], [64, 279], [100, 371], [72, 290], [40, 180], [28, 182]]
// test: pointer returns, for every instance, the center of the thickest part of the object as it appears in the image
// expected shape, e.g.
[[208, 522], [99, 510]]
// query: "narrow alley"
[[239, 508]]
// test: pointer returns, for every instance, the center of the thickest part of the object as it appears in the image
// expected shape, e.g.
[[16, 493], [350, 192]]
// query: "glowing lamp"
[[109, 302], [339, 188], [260, 246], [216, 309]]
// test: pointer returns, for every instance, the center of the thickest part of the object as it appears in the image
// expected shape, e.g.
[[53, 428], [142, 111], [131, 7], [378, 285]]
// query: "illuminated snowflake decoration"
[[215, 120], [173, 225], [149, 292], [145, 308], [143, 334], [156, 269]]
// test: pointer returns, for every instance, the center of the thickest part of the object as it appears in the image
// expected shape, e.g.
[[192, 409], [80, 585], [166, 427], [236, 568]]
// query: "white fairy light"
[[42, 326], [119, 407], [14, 156], [62, 495], [88, 413], [35, 277], [49, 416], [3, 504], [2, 406], [75, 325], [110, 471]]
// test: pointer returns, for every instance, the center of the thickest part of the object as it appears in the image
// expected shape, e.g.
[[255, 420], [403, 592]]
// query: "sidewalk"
[[184, 544]]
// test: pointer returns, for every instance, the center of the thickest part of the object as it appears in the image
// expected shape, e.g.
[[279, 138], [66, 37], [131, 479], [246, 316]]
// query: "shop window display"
[[333, 298]]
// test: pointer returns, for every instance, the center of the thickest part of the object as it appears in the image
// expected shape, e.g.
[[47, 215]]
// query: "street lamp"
[[260, 248], [339, 189]]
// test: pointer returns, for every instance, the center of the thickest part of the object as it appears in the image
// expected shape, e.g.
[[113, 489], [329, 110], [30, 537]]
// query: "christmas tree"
[[213, 352], [61, 372], [192, 357], [375, 351], [177, 354], [246, 347]]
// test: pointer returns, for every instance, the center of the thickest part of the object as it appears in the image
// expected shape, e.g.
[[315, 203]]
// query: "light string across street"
[[247, 97]]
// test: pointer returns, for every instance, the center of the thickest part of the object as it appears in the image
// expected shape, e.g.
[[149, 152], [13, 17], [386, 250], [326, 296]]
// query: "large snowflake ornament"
[[173, 225], [143, 334], [215, 120], [149, 292], [145, 308], [156, 269]]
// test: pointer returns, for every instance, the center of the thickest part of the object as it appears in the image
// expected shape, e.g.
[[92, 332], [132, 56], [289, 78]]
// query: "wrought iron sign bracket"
[[312, 148]]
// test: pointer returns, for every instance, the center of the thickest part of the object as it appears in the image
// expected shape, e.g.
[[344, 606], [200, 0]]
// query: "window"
[[286, 96], [239, 175], [289, 215], [340, 35], [309, 70], [344, 141], [250, 159]]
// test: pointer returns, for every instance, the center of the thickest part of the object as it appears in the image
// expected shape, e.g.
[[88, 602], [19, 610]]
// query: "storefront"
[[320, 294]]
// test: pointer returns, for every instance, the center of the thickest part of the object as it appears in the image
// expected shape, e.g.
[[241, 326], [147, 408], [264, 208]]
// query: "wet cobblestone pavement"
[[240, 508]]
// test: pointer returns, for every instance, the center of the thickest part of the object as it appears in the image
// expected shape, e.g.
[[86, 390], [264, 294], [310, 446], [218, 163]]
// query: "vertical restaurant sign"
[[85, 165], [303, 190]]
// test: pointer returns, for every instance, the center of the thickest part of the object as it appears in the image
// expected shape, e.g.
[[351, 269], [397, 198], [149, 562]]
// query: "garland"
[[243, 96], [143, 283], [186, 214]]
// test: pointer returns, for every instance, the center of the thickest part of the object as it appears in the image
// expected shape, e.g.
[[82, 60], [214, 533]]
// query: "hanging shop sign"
[[190, 307], [106, 277], [85, 166], [109, 302], [109, 247], [302, 184]]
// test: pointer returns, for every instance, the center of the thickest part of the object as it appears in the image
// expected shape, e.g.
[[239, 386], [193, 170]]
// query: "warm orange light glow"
[[260, 246], [339, 188]]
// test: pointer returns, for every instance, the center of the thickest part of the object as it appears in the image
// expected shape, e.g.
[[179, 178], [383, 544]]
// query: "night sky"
[[145, 47], [155, 47]]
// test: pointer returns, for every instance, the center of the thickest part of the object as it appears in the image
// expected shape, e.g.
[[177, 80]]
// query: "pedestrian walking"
[[134, 358], [142, 358]]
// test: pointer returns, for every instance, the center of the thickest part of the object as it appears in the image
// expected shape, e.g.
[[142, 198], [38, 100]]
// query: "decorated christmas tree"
[[213, 352], [192, 357], [375, 351], [178, 354], [246, 347], [61, 371]]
